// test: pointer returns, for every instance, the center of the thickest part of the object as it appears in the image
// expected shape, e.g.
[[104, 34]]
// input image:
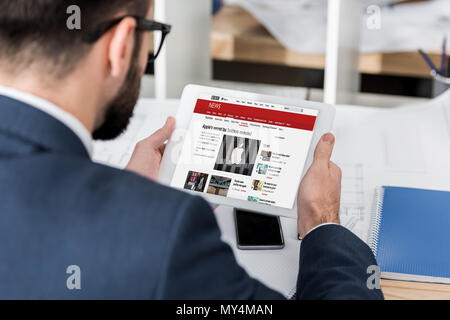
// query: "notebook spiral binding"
[[376, 220]]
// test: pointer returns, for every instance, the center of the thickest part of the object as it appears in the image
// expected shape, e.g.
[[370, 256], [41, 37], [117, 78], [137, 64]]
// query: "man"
[[70, 228]]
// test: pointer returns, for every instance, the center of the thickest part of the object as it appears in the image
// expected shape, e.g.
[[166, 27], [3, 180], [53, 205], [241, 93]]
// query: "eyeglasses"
[[143, 25]]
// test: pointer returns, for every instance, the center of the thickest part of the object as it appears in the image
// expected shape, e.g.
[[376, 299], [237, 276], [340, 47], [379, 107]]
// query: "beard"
[[121, 109]]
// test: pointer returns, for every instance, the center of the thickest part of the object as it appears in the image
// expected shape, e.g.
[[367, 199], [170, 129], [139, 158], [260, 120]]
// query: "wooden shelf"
[[238, 36]]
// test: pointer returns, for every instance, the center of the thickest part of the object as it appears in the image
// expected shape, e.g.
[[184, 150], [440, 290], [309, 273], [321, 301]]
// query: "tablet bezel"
[[192, 93]]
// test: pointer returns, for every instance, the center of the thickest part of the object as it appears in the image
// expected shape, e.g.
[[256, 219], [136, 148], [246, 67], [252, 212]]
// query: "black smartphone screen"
[[255, 229]]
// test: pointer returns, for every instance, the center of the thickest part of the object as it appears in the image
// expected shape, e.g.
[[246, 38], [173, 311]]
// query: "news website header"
[[258, 112]]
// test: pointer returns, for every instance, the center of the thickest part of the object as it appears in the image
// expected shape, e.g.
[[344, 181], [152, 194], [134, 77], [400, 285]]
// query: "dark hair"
[[36, 30]]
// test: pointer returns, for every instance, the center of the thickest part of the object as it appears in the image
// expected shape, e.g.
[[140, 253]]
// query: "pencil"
[[428, 60], [444, 57]]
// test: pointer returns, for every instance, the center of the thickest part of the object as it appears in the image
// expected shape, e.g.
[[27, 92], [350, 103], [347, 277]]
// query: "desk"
[[151, 115], [404, 290], [238, 36]]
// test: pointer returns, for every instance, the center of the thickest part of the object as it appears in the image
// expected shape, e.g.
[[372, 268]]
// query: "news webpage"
[[247, 150]]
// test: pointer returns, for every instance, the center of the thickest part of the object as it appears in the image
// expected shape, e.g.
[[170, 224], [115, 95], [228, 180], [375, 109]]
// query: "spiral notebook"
[[410, 234]]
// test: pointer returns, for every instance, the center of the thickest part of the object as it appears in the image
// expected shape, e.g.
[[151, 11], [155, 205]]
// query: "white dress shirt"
[[54, 111]]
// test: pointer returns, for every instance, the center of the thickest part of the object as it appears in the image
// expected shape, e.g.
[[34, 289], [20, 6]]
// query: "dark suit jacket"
[[131, 238]]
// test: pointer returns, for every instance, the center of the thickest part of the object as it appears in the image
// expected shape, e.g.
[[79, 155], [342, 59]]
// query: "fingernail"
[[328, 138]]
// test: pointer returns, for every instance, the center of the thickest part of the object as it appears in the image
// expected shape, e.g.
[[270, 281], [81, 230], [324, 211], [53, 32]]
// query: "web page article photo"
[[237, 155]]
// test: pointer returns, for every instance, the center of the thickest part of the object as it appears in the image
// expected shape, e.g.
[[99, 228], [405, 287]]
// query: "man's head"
[[40, 53]]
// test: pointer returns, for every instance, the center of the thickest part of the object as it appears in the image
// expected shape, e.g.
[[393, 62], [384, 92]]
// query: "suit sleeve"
[[333, 265], [200, 266]]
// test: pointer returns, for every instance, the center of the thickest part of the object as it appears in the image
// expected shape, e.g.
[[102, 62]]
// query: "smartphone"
[[257, 231]]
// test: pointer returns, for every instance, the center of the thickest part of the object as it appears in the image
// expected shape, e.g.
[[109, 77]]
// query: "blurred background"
[[336, 49]]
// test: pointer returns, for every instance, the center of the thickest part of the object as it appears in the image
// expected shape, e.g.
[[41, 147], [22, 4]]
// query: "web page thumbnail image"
[[219, 186], [196, 181]]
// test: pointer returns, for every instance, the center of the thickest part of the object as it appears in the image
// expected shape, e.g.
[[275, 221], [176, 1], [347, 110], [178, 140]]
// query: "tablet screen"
[[247, 150]]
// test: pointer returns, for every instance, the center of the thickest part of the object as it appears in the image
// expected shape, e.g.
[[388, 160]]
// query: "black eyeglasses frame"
[[143, 25]]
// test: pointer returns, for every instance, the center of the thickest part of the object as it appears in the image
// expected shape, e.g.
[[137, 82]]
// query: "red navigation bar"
[[253, 114]]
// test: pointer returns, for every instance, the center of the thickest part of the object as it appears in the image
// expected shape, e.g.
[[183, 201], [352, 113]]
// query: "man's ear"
[[121, 47]]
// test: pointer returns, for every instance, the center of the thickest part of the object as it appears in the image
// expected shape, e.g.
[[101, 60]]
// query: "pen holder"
[[440, 83]]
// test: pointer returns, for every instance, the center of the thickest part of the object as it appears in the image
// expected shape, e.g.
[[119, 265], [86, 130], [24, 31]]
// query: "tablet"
[[245, 150]]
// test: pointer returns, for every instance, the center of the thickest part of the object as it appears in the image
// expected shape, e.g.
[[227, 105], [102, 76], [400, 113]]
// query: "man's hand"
[[320, 190], [147, 155]]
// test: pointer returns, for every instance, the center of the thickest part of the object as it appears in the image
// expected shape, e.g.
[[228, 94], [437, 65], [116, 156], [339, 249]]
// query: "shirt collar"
[[54, 111]]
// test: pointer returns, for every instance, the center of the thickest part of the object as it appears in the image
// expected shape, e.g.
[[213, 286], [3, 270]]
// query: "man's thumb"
[[163, 134], [324, 149]]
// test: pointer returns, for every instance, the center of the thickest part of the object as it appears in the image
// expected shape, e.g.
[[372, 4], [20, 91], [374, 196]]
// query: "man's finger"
[[163, 134], [324, 149]]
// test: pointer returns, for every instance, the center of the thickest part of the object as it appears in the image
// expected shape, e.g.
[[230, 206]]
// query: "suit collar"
[[51, 109], [35, 126]]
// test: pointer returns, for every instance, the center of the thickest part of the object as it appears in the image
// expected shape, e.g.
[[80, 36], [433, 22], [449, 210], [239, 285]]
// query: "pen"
[[444, 57], [428, 61]]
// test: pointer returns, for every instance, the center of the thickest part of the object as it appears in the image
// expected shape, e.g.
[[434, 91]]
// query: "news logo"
[[214, 105], [216, 98]]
